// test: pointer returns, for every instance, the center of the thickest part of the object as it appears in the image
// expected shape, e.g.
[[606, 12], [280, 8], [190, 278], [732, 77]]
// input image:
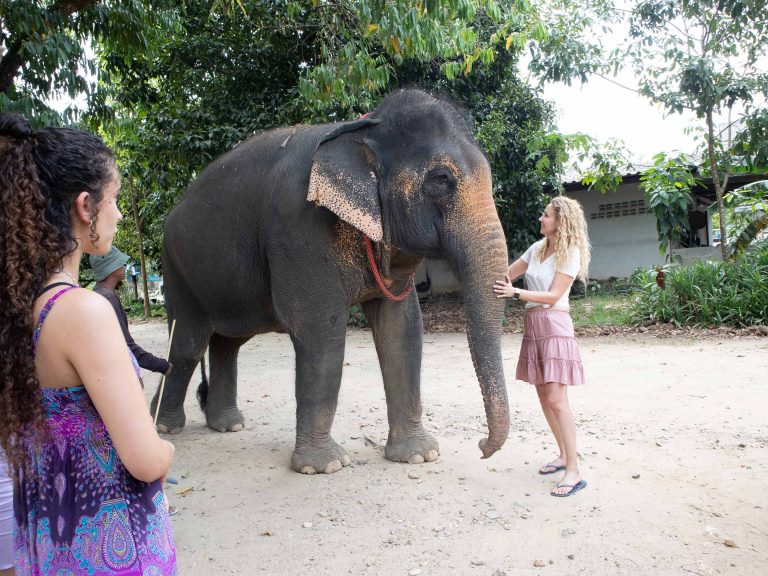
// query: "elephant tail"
[[202, 389]]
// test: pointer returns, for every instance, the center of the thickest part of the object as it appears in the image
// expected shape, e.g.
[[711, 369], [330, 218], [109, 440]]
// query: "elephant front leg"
[[318, 378], [397, 332]]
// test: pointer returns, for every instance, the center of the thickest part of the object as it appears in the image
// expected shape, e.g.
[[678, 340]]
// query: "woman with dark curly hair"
[[86, 460]]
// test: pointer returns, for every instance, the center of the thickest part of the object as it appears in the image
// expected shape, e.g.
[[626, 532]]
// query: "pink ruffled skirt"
[[549, 352]]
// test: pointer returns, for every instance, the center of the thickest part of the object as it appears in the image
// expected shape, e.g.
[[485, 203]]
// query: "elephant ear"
[[343, 179]]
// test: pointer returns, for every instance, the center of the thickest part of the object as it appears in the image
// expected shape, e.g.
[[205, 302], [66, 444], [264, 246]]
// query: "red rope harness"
[[377, 276]]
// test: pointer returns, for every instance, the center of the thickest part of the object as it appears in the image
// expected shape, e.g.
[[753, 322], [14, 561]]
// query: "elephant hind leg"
[[221, 411], [189, 343]]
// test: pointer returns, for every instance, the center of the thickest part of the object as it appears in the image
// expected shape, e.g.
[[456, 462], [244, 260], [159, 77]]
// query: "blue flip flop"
[[573, 488], [555, 468]]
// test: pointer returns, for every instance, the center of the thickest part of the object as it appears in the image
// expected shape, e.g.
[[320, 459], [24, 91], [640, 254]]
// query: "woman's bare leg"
[[556, 399], [541, 390]]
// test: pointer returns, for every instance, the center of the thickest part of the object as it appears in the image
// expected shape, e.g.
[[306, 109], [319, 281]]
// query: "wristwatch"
[[516, 295]]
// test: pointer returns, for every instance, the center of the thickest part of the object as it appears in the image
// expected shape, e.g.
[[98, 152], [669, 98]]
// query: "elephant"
[[293, 226]]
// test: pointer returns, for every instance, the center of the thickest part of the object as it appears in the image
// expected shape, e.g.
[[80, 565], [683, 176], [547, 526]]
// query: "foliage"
[[360, 45], [44, 54], [215, 81], [181, 81], [174, 112], [705, 56], [749, 206], [571, 49], [601, 164], [667, 186], [706, 293]]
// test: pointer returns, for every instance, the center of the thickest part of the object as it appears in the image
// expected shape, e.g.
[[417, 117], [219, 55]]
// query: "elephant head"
[[410, 175]]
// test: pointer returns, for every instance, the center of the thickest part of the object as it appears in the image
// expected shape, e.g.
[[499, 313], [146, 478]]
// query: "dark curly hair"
[[41, 174]]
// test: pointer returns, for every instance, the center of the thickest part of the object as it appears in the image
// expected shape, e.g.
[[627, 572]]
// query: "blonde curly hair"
[[571, 233]]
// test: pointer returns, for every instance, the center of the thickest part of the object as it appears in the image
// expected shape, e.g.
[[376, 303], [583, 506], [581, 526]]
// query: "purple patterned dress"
[[83, 513]]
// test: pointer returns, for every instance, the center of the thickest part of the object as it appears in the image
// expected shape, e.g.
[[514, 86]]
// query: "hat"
[[103, 266]]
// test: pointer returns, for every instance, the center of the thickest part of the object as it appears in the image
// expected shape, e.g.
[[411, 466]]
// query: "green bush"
[[733, 293]]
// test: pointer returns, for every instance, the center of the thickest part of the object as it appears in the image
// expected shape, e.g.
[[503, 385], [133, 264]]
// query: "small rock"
[[307, 525], [498, 572], [635, 476], [539, 563], [478, 562], [492, 514], [730, 543], [413, 475], [414, 572], [571, 556]]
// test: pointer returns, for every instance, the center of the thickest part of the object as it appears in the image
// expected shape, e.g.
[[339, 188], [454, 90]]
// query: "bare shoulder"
[[84, 309]]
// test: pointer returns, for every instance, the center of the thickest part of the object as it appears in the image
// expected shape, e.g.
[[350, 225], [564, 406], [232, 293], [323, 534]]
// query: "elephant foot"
[[228, 421], [414, 447], [171, 422], [323, 459]]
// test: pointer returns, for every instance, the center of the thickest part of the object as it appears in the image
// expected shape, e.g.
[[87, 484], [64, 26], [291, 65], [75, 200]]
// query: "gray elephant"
[[295, 225]]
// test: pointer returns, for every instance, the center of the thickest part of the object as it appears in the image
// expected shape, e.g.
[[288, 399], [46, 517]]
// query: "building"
[[622, 226]]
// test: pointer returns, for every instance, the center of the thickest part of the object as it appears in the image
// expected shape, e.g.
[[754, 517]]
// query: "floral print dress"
[[78, 511]]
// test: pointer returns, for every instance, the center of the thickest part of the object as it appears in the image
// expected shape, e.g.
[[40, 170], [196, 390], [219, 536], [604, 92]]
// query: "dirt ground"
[[673, 438]]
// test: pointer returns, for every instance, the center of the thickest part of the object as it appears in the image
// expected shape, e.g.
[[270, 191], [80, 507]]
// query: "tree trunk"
[[142, 262], [719, 189]]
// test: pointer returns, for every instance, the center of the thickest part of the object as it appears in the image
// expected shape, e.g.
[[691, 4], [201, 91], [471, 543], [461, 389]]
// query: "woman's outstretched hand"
[[504, 288]]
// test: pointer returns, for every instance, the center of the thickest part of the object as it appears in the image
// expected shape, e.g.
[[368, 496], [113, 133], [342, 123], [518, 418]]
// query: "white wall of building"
[[622, 230]]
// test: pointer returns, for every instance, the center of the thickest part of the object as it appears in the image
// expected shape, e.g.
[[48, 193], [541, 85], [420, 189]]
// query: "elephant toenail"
[[309, 470], [431, 456], [346, 460], [236, 428], [416, 459], [333, 466]]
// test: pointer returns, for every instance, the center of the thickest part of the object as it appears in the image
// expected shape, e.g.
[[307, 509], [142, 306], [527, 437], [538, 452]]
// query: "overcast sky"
[[605, 110]]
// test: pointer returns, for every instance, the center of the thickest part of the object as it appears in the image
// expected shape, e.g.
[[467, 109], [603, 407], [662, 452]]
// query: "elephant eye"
[[440, 181]]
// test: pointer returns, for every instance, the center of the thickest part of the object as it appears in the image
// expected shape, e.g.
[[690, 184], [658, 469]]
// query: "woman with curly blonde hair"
[[549, 354], [84, 455]]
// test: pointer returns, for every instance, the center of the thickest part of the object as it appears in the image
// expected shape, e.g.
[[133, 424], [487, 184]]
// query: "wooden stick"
[[162, 380]]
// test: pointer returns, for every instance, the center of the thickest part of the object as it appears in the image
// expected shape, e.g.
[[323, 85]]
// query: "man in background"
[[109, 273]]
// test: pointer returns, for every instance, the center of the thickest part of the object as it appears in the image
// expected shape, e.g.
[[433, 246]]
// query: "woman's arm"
[[98, 352], [516, 269], [560, 284]]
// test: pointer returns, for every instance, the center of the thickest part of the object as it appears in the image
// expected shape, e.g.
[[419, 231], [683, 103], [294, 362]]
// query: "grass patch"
[[135, 309], [602, 309]]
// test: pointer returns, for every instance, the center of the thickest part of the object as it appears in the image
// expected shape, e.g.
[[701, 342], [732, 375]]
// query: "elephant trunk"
[[480, 258]]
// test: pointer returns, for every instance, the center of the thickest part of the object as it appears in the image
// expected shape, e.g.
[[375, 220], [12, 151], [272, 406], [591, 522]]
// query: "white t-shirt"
[[540, 275]]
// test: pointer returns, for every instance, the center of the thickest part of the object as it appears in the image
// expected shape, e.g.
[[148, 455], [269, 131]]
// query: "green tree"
[[43, 49], [748, 206], [705, 56], [667, 186], [175, 111]]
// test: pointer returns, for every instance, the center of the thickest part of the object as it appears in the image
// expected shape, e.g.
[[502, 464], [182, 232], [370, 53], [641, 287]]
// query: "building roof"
[[704, 191]]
